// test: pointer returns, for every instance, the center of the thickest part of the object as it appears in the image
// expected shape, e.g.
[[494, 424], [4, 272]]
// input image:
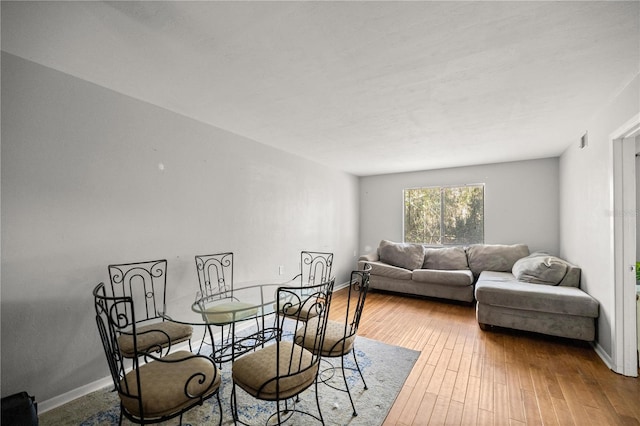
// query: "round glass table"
[[244, 315]]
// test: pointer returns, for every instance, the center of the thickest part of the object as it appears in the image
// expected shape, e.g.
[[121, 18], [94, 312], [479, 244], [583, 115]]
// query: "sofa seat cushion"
[[494, 257], [390, 271], [502, 289], [403, 255], [446, 258], [454, 278]]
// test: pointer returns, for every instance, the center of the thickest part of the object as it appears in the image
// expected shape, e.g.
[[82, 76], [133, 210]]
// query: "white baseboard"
[[340, 286], [59, 400], [102, 383], [604, 356]]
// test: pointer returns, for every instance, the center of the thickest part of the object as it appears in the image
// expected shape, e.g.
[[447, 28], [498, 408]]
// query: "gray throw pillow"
[[404, 255], [540, 268], [449, 258]]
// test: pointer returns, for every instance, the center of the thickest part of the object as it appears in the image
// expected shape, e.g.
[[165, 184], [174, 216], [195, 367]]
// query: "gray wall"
[[83, 186], [521, 202], [586, 207]]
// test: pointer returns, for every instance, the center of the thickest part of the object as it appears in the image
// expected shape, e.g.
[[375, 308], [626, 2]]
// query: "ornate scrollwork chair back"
[[145, 284], [159, 388], [315, 267], [281, 371], [215, 273], [340, 335]]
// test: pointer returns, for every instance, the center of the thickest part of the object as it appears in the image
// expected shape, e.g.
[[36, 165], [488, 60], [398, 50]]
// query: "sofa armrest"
[[371, 257]]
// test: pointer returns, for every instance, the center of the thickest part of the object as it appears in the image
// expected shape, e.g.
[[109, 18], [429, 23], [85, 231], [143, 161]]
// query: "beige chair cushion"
[[152, 336], [256, 371], [303, 313], [220, 315], [333, 338], [163, 384]]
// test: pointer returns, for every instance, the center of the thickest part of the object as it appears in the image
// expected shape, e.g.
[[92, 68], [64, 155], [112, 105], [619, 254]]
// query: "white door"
[[625, 349]]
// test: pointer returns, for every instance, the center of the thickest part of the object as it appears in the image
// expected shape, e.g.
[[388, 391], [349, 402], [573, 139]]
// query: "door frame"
[[623, 223]]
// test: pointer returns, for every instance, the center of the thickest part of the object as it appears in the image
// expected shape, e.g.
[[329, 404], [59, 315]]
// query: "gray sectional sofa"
[[513, 288]]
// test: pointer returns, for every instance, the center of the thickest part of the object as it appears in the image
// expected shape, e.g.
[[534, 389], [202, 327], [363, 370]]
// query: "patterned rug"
[[385, 368]]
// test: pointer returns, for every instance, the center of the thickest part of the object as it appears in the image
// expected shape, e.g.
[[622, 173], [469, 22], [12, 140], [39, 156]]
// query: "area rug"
[[385, 368]]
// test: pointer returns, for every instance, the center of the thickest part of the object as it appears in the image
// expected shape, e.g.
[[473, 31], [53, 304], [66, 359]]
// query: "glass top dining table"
[[244, 315]]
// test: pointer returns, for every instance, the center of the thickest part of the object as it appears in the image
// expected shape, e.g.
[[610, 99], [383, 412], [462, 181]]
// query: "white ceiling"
[[365, 87]]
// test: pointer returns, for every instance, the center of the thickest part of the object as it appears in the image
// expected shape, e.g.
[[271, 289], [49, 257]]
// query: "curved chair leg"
[[219, 407], [204, 336], [346, 385], [355, 358], [318, 402], [234, 405]]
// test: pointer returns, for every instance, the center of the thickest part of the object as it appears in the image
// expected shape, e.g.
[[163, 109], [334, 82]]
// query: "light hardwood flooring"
[[465, 376]]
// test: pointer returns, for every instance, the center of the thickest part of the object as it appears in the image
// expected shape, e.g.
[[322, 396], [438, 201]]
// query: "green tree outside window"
[[444, 215]]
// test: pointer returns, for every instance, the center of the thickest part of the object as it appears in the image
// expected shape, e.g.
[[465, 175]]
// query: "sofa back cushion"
[[449, 258], [494, 257], [540, 268], [404, 255]]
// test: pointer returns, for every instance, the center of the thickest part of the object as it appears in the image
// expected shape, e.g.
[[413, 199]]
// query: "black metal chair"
[[283, 370], [315, 267], [215, 273], [340, 336], [145, 283], [151, 388], [215, 276]]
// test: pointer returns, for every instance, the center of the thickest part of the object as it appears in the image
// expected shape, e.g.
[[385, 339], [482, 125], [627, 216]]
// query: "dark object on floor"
[[19, 409]]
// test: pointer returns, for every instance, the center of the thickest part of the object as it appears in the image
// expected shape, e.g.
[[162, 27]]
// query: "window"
[[444, 215]]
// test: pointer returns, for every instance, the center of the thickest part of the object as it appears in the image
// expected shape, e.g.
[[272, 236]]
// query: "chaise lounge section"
[[541, 295]]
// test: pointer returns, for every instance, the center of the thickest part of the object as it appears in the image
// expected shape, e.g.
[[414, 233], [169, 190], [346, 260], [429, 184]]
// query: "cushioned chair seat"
[[163, 384], [256, 372], [290, 309], [155, 335], [456, 278], [220, 315], [333, 338]]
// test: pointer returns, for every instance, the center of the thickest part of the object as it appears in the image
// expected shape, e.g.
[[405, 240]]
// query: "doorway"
[[625, 228], [637, 172]]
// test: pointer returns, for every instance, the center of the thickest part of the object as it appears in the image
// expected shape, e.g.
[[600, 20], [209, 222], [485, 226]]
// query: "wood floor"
[[465, 376]]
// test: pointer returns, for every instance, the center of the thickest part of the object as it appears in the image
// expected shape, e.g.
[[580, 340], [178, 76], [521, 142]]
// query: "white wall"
[[521, 202], [586, 205], [82, 187]]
